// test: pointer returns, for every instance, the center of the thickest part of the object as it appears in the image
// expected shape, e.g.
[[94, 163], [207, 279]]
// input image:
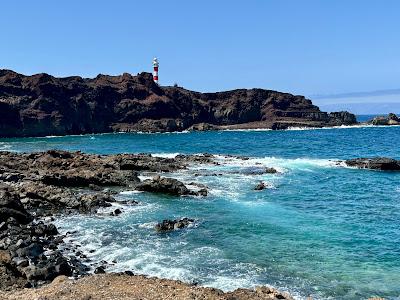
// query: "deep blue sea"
[[320, 229]]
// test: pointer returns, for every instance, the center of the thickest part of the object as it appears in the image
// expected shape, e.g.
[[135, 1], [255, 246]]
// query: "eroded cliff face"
[[41, 105]]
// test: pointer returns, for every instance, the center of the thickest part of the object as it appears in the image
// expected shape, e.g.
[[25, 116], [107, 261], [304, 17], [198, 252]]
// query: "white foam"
[[129, 193], [148, 225], [280, 164], [300, 128], [142, 177], [165, 155]]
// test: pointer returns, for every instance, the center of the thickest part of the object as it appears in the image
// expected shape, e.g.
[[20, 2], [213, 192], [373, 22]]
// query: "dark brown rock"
[[41, 104]]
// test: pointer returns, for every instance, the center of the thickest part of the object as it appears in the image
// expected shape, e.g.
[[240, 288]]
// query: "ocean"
[[320, 229]]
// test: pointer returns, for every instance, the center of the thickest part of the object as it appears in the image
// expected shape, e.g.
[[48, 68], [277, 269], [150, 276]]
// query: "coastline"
[[225, 129], [34, 253], [79, 184]]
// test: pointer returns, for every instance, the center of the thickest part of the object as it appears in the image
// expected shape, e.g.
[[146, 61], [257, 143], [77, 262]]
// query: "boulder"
[[99, 270], [270, 170]]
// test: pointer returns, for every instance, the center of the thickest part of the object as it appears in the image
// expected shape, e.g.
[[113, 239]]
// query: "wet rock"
[[259, 187], [202, 192], [255, 170], [99, 270], [129, 273], [91, 202], [270, 170], [164, 185], [377, 163], [117, 212], [169, 225]]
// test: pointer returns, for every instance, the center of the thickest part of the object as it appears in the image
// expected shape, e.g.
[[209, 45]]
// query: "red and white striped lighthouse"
[[155, 70]]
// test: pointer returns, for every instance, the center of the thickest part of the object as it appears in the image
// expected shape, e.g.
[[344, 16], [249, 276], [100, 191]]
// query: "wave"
[[165, 155], [304, 128], [280, 164], [129, 193]]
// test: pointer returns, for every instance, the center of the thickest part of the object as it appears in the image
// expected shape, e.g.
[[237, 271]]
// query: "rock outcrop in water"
[[41, 105], [169, 186], [390, 119], [377, 163], [169, 225]]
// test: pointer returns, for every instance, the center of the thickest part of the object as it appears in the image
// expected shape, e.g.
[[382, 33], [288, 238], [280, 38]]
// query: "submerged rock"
[[169, 225], [377, 163]]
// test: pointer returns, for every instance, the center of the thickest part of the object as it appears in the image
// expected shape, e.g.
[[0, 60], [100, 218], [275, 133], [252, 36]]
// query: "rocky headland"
[[41, 105]]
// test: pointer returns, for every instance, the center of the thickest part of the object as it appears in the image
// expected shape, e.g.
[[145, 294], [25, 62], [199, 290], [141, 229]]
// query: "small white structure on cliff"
[[155, 69]]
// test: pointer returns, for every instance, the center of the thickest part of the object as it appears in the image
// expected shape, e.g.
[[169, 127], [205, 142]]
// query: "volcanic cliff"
[[41, 105]]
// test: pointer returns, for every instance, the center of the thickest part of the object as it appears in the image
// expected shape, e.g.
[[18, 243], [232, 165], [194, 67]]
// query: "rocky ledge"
[[41, 105], [127, 287], [376, 163]]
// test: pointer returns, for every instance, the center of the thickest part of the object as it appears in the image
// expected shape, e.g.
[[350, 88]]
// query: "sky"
[[308, 47]]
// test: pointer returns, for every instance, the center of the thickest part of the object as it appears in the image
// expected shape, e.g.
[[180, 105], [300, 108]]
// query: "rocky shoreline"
[[36, 188]]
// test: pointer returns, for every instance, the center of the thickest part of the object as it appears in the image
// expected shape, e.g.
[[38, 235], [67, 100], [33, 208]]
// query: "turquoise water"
[[320, 229]]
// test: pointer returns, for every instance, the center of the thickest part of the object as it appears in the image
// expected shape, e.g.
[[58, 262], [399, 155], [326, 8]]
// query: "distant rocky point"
[[390, 119], [41, 105]]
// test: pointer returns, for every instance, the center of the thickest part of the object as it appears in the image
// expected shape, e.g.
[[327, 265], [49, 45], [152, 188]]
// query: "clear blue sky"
[[302, 47]]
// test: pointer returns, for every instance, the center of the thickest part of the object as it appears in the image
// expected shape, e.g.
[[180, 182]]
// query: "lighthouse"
[[155, 70]]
